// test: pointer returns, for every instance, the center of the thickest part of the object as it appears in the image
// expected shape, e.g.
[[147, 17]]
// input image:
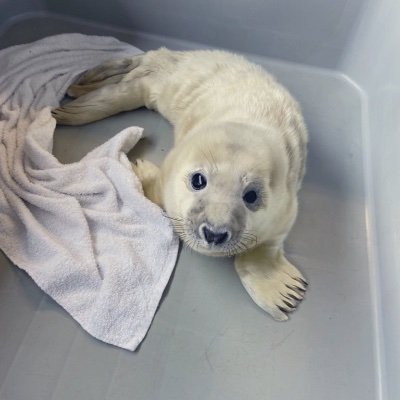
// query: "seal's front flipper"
[[271, 280], [149, 176]]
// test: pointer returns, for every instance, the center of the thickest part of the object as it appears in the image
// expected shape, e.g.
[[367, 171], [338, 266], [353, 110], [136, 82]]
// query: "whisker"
[[213, 159], [249, 233], [241, 246], [247, 236], [208, 160], [176, 219], [250, 237]]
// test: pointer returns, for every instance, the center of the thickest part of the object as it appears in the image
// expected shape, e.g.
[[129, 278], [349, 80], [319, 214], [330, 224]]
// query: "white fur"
[[234, 123]]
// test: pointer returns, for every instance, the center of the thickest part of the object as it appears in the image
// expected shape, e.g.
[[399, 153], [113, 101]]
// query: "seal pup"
[[230, 183]]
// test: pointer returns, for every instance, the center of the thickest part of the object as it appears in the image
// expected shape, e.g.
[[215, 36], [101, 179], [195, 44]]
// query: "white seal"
[[230, 182]]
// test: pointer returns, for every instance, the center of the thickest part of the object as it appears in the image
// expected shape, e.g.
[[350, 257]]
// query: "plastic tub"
[[209, 341]]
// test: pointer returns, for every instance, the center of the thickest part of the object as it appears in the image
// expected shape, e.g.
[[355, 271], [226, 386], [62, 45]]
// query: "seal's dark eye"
[[199, 181], [250, 197]]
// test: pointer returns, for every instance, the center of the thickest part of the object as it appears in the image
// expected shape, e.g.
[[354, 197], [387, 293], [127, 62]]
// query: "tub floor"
[[209, 341]]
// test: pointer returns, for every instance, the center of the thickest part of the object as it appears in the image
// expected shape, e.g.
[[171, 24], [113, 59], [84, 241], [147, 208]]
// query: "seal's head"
[[223, 186]]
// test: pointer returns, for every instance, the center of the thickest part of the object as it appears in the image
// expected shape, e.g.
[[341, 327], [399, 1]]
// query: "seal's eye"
[[250, 197], [199, 181]]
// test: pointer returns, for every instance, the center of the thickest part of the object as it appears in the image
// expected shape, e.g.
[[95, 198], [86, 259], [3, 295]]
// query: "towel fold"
[[83, 231]]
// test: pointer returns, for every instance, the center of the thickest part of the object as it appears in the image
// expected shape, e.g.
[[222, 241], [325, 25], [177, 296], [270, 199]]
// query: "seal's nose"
[[213, 237]]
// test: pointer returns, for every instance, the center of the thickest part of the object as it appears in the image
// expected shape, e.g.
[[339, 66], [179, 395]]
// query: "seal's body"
[[230, 183]]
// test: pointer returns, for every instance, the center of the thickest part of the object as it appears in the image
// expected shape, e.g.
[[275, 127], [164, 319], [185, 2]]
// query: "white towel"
[[83, 231]]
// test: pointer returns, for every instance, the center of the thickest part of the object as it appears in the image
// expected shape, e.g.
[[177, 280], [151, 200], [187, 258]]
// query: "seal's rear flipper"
[[110, 72]]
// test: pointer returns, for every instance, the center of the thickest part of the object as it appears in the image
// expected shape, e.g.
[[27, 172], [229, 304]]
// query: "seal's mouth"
[[228, 250], [211, 242]]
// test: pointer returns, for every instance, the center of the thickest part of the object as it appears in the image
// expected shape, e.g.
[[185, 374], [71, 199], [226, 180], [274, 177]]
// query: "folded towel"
[[83, 231]]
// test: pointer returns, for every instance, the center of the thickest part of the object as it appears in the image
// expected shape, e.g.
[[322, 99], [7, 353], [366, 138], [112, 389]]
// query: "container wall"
[[309, 31], [11, 8], [373, 60]]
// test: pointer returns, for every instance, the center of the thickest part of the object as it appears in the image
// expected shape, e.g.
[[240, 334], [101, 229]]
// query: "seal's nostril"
[[220, 238], [214, 237], [208, 235]]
